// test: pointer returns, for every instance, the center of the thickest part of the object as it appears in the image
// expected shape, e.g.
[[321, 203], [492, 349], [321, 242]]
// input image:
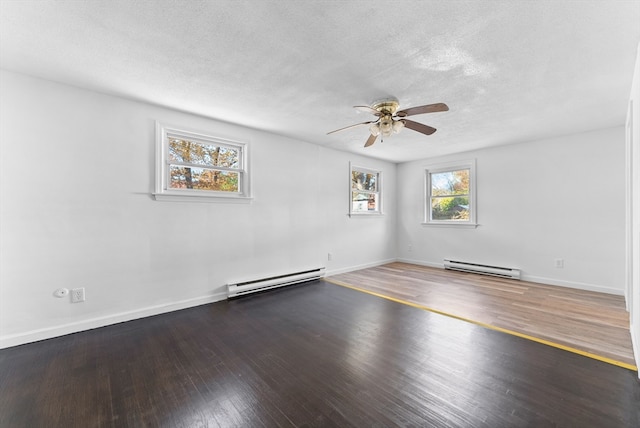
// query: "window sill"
[[376, 214], [454, 225], [173, 197]]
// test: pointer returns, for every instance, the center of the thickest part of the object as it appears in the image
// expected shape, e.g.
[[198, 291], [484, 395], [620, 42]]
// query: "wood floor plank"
[[588, 321], [312, 355]]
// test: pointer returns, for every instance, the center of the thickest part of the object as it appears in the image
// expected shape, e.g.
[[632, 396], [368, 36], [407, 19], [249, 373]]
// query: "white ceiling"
[[510, 71]]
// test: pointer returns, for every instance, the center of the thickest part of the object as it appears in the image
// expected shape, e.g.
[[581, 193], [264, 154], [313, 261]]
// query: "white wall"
[[633, 209], [560, 198], [77, 170], [76, 174]]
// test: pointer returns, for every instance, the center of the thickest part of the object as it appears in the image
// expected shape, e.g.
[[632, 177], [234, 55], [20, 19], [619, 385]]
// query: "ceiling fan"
[[391, 121]]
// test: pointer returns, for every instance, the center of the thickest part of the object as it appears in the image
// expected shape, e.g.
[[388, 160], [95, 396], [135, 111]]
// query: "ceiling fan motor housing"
[[386, 106]]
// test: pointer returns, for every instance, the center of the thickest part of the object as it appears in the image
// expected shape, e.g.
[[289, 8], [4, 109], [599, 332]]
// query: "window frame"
[[449, 167], [163, 191], [379, 209]]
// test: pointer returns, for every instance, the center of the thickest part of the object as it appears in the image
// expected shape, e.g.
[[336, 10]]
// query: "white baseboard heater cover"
[[503, 272], [247, 287]]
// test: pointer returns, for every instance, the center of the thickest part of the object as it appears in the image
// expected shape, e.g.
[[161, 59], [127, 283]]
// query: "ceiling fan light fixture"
[[386, 126], [374, 129], [397, 126]]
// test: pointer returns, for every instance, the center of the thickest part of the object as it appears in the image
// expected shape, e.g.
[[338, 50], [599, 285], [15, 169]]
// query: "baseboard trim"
[[8, 341], [537, 279], [421, 263], [572, 284], [89, 324], [330, 272]]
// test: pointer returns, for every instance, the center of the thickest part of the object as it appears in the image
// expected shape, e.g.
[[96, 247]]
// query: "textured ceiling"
[[510, 71]]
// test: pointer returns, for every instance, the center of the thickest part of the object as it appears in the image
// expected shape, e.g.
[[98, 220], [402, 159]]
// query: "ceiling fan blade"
[[351, 126], [368, 109], [430, 108], [370, 140], [425, 129]]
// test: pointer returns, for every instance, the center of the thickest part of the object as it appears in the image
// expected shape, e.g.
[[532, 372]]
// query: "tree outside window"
[[365, 191], [450, 196], [194, 166]]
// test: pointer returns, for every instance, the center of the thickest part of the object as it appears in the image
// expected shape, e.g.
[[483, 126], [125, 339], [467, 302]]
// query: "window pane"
[[364, 181], [202, 154], [203, 179], [450, 183], [450, 208], [364, 202]]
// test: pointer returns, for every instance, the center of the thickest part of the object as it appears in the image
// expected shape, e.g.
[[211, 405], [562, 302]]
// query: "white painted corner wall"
[[633, 208], [77, 172], [76, 177], [559, 198]]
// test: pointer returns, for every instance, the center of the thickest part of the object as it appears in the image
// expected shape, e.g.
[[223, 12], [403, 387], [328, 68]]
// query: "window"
[[365, 193], [450, 194], [192, 166]]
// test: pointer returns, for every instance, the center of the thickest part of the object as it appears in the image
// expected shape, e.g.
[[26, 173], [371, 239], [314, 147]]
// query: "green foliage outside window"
[[201, 166], [450, 195]]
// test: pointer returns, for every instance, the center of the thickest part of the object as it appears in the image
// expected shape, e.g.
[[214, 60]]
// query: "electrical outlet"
[[410, 248], [329, 256], [560, 263], [77, 295], [61, 292]]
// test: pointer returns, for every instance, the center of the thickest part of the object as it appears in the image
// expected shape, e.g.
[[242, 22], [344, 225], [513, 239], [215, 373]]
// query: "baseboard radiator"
[[254, 286], [503, 272]]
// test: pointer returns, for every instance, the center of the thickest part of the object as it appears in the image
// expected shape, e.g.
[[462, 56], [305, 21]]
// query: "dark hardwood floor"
[[311, 355]]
